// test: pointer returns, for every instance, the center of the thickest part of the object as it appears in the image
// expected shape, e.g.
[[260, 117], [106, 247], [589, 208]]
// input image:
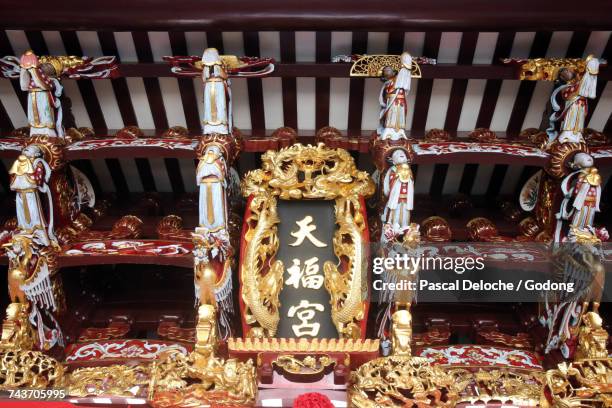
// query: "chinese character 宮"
[[305, 312], [305, 231]]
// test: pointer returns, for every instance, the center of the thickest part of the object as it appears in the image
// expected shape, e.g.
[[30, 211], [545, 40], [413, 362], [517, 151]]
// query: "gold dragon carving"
[[294, 173], [402, 381], [586, 382], [547, 69], [201, 378]]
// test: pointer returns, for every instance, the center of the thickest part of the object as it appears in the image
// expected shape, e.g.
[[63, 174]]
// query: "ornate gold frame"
[[372, 65], [294, 173]]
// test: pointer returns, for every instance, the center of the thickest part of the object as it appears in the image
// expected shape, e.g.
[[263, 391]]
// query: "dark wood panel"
[[290, 69], [254, 85], [356, 86], [322, 85], [189, 101], [425, 86], [289, 85], [374, 15]]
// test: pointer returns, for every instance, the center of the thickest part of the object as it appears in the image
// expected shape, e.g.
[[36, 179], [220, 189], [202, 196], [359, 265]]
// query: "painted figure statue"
[[44, 89], [217, 94], [573, 114], [211, 177], [582, 192], [40, 76], [398, 187], [393, 100], [30, 175], [31, 268]]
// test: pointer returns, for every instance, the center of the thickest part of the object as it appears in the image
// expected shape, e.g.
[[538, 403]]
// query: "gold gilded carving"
[[17, 332], [522, 388], [52, 148], [401, 332], [327, 174], [201, 378], [347, 288], [293, 345], [31, 369], [206, 331], [262, 284], [116, 380], [309, 365], [402, 381], [586, 383], [592, 338], [304, 172], [372, 66], [560, 156], [222, 382], [547, 69]]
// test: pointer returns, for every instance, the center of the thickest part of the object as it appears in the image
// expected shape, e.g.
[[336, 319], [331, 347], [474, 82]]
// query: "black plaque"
[[323, 217]]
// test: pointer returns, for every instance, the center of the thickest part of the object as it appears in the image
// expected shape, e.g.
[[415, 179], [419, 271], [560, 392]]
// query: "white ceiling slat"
[[449, 47], [173, 104], [306, 103], [160, 45], [370, 108], [233, 43], [539, 99], [140, 103], [188, 172], [199, 91], [448, 53], [414, 42], [338, 102], [18, 40], [378, 43], [132, 177], [89, 43], [511, 179], [12, 105], [269, 45], [481, 181], [341, 43], [103, 175], [305, 46], [522, 44], [424, 176], [273, 102], [71, 90], [240, 104], [54, 42], [125, 46], [453, 178], [507, 95], [196, 42], [485, 48], [411, 101], [505, 103], [559, 43], [160, 175], [108, 103], [596, 43], [438, 103], [474, 94], [603, 110]]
